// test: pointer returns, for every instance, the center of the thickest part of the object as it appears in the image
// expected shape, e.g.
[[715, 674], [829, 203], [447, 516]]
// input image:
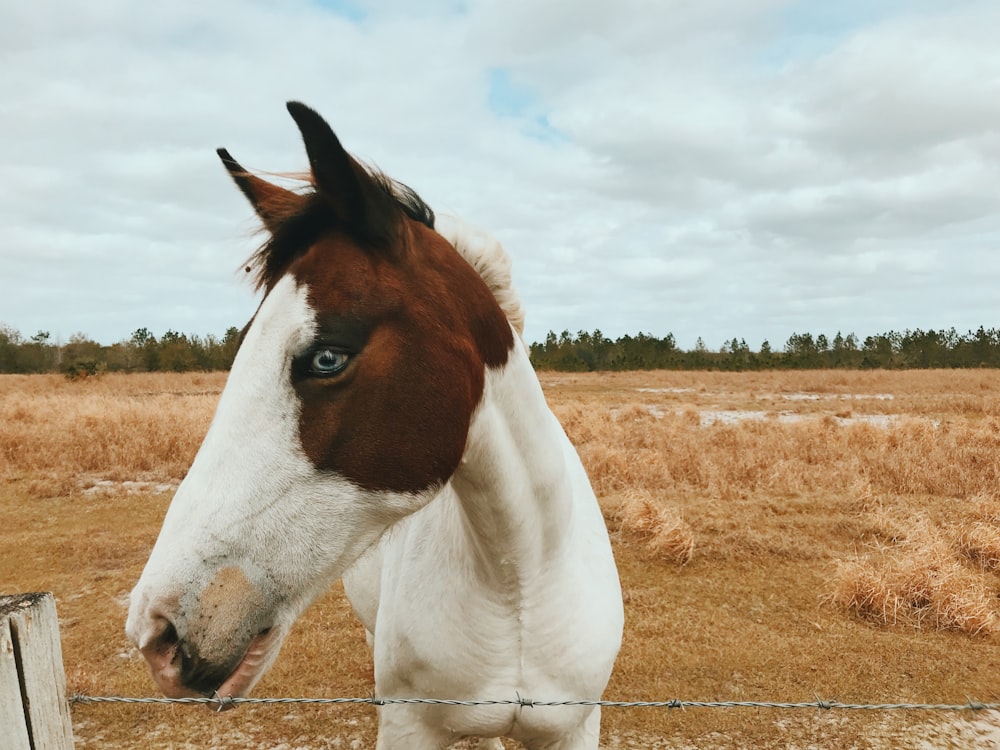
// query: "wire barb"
[[225, 702], [823, 705]]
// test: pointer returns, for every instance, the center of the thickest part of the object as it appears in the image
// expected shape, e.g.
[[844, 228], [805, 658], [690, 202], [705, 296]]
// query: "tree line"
[[585, 352], [81, 356], [178, 352]]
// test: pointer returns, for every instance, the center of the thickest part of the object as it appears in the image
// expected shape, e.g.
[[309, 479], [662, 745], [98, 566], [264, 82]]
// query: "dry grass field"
[[780, 536]]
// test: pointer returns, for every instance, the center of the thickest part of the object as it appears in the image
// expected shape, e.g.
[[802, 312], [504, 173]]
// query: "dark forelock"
[[299, 230]]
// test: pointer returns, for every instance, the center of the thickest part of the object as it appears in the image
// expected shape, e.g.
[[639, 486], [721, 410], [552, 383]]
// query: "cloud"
[[713, 169]]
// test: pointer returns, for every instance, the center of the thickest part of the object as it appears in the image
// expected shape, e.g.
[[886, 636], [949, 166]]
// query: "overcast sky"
[[712, 168]]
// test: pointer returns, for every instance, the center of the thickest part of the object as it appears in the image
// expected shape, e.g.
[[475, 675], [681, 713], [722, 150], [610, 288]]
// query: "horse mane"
[[484, 253], [307, 217]]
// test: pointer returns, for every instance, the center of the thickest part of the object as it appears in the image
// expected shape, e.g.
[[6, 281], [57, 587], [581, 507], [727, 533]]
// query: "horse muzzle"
[[220, 639]]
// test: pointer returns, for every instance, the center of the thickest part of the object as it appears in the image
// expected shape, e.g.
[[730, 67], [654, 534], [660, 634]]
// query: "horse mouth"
[[178, 675], [251, 667]]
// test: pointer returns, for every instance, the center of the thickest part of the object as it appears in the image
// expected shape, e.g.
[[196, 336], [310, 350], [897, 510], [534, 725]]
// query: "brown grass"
[[659, 525], [57, 435], [920, 580], [800, 552]]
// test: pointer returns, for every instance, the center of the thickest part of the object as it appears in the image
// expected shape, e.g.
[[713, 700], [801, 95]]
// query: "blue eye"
[[328, 362]]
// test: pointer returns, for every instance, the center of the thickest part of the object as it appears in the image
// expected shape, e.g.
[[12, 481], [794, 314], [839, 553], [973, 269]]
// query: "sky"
[[714, 169]]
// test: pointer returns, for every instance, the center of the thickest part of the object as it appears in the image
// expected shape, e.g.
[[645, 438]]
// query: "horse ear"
[[356, 201], [272, 203]]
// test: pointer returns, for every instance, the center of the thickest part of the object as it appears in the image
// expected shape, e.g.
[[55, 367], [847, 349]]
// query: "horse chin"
[[261, 652]]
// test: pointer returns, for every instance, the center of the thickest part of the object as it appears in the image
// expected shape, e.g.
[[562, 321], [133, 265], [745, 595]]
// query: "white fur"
[[504, 586]]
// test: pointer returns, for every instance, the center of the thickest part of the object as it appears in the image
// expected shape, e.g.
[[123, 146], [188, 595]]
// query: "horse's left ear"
[[358, 203], [273, 204]]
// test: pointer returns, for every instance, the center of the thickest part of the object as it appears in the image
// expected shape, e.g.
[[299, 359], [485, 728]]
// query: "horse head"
[[347, 408]]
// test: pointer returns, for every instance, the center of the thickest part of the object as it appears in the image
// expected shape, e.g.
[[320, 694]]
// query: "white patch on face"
[[252, 500]]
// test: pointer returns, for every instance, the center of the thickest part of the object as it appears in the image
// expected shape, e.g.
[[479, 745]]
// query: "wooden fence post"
[[34, 711]]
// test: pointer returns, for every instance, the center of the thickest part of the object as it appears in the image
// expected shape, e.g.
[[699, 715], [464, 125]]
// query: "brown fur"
[[225, 605], [419, 321], [398, 417]]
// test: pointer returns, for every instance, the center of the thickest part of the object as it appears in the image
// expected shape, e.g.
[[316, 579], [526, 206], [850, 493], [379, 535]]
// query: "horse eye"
[[328, 362]]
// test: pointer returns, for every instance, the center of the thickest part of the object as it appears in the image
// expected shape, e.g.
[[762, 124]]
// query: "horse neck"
[[518, 477]]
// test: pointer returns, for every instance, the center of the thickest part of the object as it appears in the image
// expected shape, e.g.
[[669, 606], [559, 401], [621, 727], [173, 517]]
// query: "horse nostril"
[[163, 649], [160, 640], [168, 639]]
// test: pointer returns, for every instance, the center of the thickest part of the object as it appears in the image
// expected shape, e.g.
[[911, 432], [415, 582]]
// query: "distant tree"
[[176, 353], [37, 354], [142, 337], [924, 349], [146, 349], [698, 358], [881, 350], [765, 357], [82, 355], [120, 356], [230, 342], [10, 349], [538, 358], [801, 351], [844, 352], [605, 351], [737, 355], [985, 347]]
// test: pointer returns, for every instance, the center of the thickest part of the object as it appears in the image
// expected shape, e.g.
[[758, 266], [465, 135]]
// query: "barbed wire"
[[226, 702]]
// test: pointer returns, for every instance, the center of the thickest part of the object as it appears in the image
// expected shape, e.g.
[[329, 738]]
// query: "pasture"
[[780, 536]]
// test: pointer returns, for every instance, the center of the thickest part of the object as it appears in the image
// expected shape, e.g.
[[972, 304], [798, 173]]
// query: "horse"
[[382, 423]]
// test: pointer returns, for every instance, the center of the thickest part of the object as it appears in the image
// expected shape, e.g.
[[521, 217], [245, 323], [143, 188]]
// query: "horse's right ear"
[[273, 204], [358, 204]]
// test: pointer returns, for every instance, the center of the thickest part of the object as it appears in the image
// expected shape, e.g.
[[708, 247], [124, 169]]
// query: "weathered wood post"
[[34, 711]]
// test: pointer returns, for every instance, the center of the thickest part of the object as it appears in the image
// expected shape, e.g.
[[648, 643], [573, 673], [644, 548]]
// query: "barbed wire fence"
[[227, 702], [35, 704]]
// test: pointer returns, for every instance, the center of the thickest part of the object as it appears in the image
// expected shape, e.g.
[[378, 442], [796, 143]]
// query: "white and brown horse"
[[382, 423]]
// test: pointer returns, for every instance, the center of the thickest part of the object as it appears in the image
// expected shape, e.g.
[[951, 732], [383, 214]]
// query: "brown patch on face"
[[398, 417], [228, 614]]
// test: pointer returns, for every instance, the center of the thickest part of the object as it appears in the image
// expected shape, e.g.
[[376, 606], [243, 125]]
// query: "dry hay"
[[920, 573], [660, 526]]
